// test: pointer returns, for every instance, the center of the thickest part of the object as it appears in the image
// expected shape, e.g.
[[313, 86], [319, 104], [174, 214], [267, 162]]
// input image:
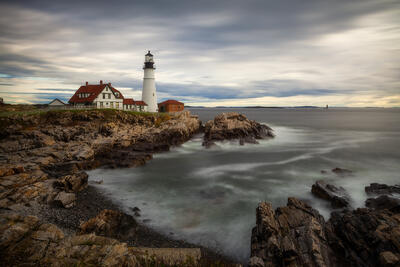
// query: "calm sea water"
[[209, 196]]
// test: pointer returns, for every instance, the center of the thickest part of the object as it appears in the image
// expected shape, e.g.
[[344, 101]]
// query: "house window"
[[106, 88], [117, 105], [111, 104], [101, 104], [109, 96]]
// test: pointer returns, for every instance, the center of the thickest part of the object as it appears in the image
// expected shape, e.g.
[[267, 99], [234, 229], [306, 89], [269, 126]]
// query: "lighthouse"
[[149, 84]]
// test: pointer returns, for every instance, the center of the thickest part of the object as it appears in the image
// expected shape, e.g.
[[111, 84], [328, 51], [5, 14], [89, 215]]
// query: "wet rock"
[[336, 195], [291, 236], [296, 235], [382, 189], [234, 126], [383, 202], [111, 223], [135, 209], [342, 172]]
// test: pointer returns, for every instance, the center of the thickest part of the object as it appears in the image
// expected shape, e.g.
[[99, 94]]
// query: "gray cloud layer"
[[205, 50]]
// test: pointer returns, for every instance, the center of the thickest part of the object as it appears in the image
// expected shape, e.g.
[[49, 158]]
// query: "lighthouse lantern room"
[[149, 84]]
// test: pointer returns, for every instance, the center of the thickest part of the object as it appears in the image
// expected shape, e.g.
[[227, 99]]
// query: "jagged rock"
[[383, 202], [72, 183], [230, 126], [111, 223], [291, 236], [296, 235], [67, 200], [382, 189], [360, 236], [336, 195]]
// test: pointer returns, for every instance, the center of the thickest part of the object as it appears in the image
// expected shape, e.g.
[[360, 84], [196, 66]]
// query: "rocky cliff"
[[297, 235], [44, 155]]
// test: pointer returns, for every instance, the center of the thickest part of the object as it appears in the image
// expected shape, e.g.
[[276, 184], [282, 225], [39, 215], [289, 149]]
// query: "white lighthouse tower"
[[149, 84]]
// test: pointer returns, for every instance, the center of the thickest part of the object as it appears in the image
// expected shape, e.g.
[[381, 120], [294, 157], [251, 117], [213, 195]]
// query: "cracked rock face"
[[234, 126], [296, 235]]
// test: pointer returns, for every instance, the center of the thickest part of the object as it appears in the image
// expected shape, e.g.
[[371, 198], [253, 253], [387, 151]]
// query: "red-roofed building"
[[170, 106], [103, 95], [130, 104]]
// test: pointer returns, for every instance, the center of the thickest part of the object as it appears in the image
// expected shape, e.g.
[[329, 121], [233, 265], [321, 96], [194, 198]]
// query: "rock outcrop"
[[26, 241], [43, 155], [382, 189], [234, 126], [297, 235], [336, 195], [111, 223]]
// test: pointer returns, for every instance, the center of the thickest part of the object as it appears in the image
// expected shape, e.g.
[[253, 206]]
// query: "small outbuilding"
[[170, 106], [57, 103]]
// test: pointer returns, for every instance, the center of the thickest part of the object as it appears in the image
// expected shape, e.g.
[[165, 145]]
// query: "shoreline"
[[91, 201]]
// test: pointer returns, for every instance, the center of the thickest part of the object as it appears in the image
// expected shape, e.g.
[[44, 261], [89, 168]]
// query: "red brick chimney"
[[109, 84], [101, 81], [87, 83]]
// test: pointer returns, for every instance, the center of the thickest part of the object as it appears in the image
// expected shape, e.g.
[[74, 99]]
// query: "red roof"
[[140, 103], [93, 90], [128, 101], [170, 102]]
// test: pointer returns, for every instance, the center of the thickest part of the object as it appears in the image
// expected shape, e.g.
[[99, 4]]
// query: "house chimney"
[[109, 84], [101, 81], [87, 83]]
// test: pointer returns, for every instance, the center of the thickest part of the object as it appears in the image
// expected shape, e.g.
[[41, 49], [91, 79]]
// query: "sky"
[[207, 53]]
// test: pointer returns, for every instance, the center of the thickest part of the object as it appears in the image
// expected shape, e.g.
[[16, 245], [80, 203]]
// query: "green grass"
[[106, 110]]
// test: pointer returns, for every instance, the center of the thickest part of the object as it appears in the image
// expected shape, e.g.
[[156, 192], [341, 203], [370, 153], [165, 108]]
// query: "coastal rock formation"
[[336, 195], [382, 189], [291, 236], [229, 126], [26, 241], [342, 172], [110, 223], [43, 155], [297, 235], [383, 202]]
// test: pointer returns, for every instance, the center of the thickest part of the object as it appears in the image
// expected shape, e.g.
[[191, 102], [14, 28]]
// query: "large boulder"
[[111, 223], [234, 126], [336, 195]]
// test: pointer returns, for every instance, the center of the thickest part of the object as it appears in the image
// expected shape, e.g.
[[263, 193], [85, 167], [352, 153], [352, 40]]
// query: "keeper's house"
[[103, 95]]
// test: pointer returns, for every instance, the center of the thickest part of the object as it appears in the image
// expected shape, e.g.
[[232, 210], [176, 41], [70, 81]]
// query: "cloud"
[[204, 50]]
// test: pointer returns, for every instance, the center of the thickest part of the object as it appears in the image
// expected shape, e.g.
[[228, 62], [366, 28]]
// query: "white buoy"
[[149, 84]]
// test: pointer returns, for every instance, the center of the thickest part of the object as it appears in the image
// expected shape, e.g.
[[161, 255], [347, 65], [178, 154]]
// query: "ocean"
[[209, 196]]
